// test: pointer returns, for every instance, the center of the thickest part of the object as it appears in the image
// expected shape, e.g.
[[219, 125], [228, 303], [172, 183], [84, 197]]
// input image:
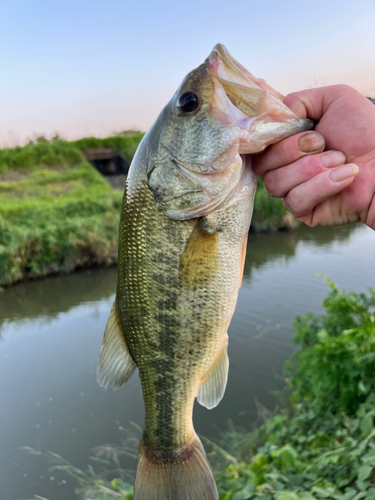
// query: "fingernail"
[[310, 142], [332, 159], [344, 172]]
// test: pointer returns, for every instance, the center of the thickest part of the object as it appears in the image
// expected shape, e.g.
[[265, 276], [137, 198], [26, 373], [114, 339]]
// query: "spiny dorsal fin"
[[115, 365], [212, 388], [199, 261]]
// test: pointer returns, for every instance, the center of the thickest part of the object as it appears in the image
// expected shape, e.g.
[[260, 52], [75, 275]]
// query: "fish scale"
[[185, 217]]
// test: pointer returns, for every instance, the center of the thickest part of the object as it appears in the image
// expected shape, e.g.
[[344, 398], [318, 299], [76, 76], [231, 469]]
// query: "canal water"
[[51, 330]]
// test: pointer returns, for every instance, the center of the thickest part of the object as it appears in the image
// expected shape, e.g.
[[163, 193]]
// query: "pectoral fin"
[[212, 388], [199, 261], [115, 365]]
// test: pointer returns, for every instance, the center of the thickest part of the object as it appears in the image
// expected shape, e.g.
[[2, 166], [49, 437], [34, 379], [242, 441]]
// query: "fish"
[[185, 218]]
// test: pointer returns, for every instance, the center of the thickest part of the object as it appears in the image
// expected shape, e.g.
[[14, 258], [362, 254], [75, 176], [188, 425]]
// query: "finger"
[[301, 200], [314, 103], [307, 103], [288, 151], [282, 180]]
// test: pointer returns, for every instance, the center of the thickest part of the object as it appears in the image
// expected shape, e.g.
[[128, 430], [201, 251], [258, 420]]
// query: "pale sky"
[[80, 67]]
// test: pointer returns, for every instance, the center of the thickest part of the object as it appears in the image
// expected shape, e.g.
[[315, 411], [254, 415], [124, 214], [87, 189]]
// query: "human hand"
[[326, 177]]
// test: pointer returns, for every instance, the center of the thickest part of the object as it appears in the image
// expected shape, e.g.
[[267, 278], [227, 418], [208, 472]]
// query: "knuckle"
[[342, 87], [312, 165], [344, 90], [293, 203], [310, 222], [287, 150]]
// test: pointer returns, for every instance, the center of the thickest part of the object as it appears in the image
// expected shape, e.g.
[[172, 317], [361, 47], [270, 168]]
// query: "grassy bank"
[[320, 446], [58, 214]]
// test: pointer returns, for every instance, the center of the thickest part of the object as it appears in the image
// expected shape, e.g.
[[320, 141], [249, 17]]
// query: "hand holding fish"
[[326, 177]]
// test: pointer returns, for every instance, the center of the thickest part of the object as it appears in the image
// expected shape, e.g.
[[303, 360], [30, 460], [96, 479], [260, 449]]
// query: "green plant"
[[323, 445], [334, 370], [270, 213], [125, 143], [57, 213]]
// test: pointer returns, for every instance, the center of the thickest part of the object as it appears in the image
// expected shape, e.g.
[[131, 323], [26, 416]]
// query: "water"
[[51, 332]]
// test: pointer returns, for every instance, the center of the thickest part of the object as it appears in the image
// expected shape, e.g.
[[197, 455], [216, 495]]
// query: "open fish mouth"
[[262, 113], [222, 65]]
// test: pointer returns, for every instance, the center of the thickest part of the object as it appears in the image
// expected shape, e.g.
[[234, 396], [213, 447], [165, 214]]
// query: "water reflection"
[[52, 330], [47, 298], [265, 248]]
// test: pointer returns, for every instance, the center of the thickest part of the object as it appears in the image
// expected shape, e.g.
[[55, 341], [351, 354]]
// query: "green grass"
[[64, 154], [270, 213], [126, 143], [57, 213], [41, 154]]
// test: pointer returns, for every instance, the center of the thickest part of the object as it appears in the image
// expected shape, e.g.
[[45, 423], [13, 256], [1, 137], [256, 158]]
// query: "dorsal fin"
[[115, 364], [212, 388]]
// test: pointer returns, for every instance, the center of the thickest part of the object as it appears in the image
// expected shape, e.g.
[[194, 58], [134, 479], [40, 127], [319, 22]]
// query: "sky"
[[80, 68]]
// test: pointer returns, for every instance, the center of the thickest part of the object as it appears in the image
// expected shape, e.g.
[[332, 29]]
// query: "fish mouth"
[[260, 111], [239, 85], [223, 65]]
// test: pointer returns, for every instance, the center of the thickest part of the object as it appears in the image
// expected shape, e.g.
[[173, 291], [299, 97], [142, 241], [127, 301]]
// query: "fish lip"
[[246, 92], [220, 54]]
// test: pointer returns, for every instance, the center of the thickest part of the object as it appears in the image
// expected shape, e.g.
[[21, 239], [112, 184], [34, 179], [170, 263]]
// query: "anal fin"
[[115, 364], [212, 388]]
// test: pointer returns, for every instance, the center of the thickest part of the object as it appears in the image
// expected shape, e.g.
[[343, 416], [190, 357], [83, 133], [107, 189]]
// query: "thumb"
[[310, 103]]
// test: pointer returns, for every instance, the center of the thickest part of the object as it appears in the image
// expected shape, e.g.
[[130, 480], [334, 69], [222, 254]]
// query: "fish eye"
[[188, 102]]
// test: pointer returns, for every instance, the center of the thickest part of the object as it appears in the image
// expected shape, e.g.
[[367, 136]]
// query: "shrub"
[[323, 445]]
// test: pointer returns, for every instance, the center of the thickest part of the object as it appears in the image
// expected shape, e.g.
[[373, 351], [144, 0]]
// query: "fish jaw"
[[218, 189], [197, 166], [264, 117]]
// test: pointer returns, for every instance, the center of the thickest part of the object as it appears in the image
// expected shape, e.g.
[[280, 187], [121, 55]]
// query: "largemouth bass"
[[184, 222]]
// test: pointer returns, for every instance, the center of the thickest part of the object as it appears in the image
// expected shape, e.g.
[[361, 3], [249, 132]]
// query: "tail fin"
[[185, 475]]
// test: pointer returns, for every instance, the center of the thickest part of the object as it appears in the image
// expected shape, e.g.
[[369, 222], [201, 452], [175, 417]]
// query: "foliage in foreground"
[[321, 447]]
